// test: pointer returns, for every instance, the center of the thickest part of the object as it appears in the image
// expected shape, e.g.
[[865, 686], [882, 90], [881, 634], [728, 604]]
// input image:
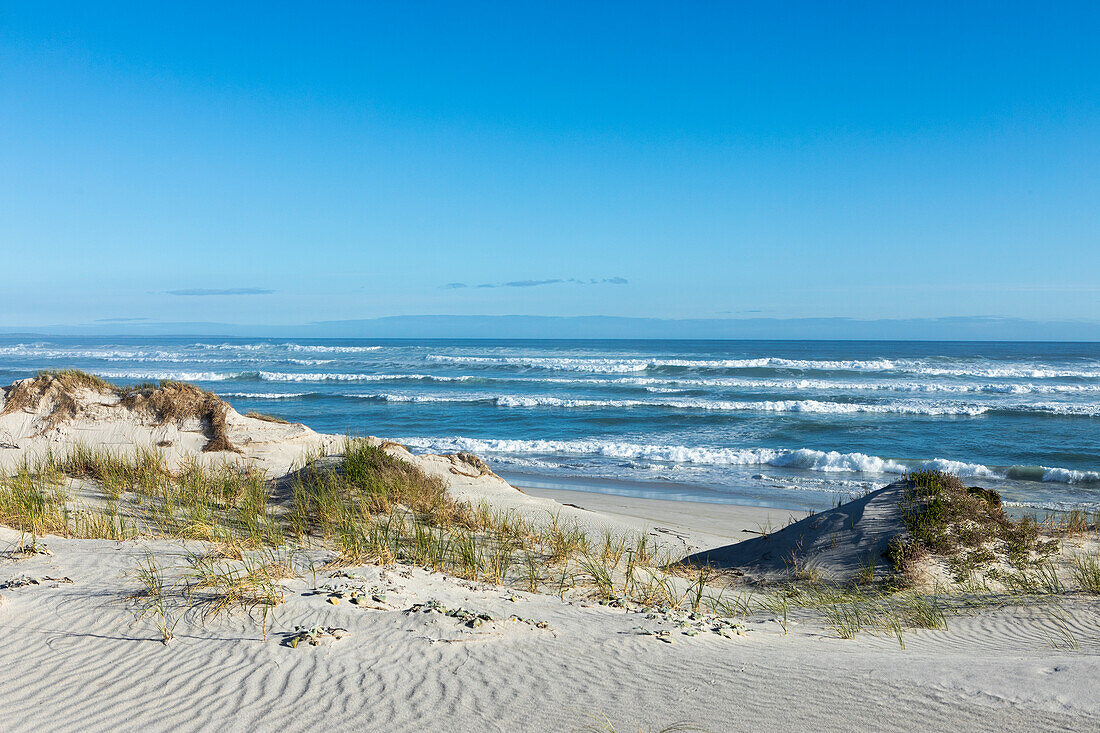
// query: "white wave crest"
[[829, 385], [803, 458], [982, 369], [606, 365], [310, 348], [331, 349], [797, 406], [173, 375], [1070, 476], [264, 395], [1022, 371], [338, 377], [803, 406]]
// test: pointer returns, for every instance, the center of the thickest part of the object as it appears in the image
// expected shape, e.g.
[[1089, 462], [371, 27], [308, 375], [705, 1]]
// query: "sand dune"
[[837, 543], [60, 413], [74, 655]]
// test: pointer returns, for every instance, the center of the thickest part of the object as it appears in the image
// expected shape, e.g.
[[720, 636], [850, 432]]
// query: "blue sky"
[[284, 163]]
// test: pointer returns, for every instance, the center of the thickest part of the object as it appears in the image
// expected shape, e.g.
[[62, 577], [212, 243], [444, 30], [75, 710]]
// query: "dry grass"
[[266, 418], [375, 508], [176, 402], [165, 402], [60, 387], [152, 598], [33, 504]]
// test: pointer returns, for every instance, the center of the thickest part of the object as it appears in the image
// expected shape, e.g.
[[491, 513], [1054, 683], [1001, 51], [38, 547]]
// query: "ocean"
[[790, 424]]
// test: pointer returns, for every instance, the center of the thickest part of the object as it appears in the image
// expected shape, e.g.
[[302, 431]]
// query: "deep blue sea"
[[793, 424]]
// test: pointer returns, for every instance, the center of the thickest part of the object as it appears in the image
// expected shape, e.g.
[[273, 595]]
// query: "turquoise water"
[[791, 424]]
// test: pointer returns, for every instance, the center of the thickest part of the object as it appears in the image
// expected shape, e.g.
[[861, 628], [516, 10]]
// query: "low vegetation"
[[266, 418], [370, 507], [163, 402], [58, 387], [965, 526]]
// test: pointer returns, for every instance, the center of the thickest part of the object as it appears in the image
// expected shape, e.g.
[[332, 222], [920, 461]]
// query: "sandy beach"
[[701, 525], [399, 643], [73, 659]]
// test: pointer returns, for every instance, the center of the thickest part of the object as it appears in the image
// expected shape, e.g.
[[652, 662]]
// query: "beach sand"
[[701, 525], [74, 657]]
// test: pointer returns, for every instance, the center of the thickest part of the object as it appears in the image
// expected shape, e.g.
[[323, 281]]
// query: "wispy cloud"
[[529, 283], [221, 291], [536, 283]]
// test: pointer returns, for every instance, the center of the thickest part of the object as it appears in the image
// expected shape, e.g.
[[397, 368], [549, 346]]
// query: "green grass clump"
[[967, 526], [1086, 571], [33, 505]]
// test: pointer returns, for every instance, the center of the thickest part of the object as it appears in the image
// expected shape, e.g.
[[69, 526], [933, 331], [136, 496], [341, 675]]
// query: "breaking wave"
[[289, 346], [605, 365], [804, 458]]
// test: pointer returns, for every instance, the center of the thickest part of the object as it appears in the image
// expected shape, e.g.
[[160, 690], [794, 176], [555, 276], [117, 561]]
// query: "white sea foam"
[[180, 376], [339, 377], [312, 348], [804, 406], [319, 377], [829, 385], [109, 354], [264, 395], [1056, 506], [1070, 476], [233, 347], [803, 459], [982, 369], [266, 376], [332, 349], [607, 365], [928, 408], [1018, 371], [669, 384], [417, 398]]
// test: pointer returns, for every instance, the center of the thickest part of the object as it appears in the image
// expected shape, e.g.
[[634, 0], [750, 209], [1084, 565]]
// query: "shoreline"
[[699, 524]]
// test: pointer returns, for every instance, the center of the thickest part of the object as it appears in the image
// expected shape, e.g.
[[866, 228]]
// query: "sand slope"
[[836, 544]]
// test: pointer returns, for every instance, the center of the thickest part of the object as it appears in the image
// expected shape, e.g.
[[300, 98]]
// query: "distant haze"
[[608, 327]]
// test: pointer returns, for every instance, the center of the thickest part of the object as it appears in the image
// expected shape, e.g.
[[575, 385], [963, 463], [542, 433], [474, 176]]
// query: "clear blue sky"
[[333, 161]]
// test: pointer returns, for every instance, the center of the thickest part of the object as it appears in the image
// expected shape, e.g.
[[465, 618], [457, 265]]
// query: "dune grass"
[[266, 417], [152, 597], [165, 401], [1086, 571], [966, 526], [59, 386], [372, 507]]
